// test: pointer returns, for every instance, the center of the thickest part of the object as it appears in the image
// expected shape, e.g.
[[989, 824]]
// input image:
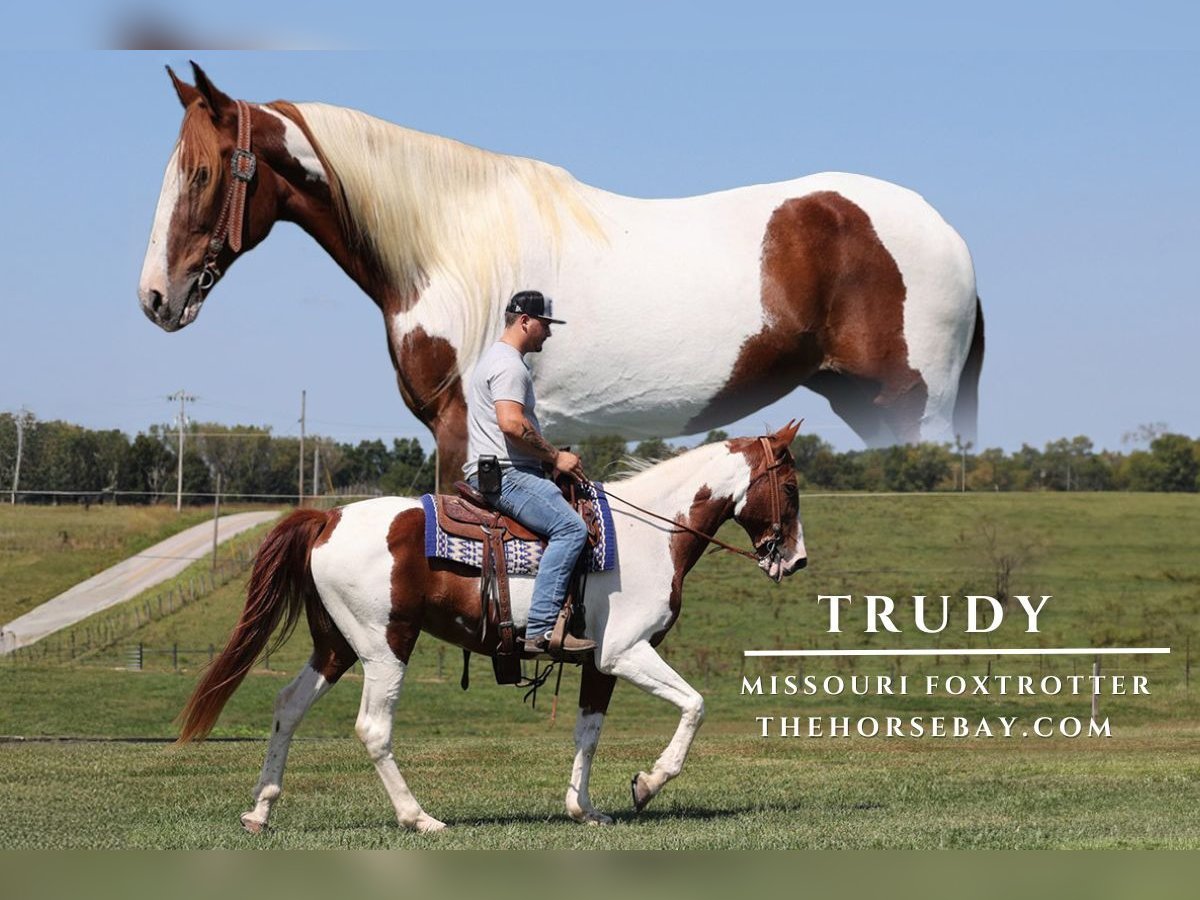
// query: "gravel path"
[[125, 580]]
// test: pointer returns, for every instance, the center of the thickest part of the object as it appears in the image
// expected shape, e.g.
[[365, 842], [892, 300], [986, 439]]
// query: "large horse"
[[362, 576], [684, 314]]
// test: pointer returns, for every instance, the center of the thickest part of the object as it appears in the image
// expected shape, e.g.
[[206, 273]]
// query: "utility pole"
[[184, 398], [216, 518], [300, 491], [962, 449], [19, 418], [316, 489]]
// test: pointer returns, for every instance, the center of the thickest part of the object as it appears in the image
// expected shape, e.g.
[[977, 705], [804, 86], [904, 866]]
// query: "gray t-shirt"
[[500, 374]]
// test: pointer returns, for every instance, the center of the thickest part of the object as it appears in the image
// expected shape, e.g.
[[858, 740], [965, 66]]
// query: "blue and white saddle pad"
[[522, 557]]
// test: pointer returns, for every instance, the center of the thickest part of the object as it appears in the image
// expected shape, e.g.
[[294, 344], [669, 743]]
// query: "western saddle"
[[470, 515]]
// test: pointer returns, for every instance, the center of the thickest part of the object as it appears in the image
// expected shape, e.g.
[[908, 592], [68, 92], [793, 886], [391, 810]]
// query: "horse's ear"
[[218, 101], [183, 90], [784, 436]]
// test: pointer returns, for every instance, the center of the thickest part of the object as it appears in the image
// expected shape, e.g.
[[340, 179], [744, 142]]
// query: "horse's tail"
[[966, 405], [280, 585]]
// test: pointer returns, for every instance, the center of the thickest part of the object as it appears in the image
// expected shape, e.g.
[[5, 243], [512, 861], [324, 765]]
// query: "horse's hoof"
[[252, 825], [428, 825], [589, 816], [640, 791]]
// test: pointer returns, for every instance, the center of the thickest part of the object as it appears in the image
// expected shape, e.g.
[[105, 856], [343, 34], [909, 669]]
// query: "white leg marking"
[[587, 736], [382, 679], [641, 666], [290, 706]]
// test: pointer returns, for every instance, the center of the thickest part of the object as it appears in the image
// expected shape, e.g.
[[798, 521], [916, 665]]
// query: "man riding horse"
[[502, 426]]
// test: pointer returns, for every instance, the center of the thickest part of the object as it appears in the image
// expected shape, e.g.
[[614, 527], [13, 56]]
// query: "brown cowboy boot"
[[571, 646], [538, 643], [564, 645]]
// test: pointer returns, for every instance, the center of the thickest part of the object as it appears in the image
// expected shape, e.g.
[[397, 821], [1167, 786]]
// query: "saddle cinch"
[[471, 516]]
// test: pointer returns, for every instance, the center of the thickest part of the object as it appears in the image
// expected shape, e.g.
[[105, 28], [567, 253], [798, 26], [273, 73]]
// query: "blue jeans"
[[537, 503]]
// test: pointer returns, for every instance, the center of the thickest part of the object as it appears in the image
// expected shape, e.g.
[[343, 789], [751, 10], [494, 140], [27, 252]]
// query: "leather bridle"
[[231, 222], [768, 547]]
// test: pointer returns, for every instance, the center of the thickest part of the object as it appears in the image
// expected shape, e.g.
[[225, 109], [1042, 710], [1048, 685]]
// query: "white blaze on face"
[[799, 551], [154, 268], [790, 558]]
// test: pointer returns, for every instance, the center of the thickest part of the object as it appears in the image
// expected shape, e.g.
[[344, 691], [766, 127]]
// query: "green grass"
[[160, 616], [46, 549], [506, 791], [1122, 570]]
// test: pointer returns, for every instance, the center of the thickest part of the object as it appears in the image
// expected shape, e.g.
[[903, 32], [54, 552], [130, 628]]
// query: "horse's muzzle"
[[795, 565], [168, 315], [778, 568]]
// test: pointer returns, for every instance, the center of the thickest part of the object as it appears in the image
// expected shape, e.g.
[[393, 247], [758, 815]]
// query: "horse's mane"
[[430, 205], [629, 465], [200, 146], [633, 468], [632, 472], [337, 193]]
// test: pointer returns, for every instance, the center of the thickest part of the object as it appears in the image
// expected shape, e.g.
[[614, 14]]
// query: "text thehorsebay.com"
[[932, 615]]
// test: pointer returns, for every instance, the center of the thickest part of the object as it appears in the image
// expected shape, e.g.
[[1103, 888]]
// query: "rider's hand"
[[568, 463]]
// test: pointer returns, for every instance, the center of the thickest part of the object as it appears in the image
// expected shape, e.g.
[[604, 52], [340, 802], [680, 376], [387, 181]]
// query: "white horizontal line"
[[960, 651]]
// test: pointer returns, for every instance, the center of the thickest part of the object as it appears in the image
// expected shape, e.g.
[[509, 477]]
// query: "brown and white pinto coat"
[[684, 314], [369, 591]]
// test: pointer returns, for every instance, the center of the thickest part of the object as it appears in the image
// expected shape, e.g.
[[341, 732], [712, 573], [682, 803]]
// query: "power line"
[[261, 435]]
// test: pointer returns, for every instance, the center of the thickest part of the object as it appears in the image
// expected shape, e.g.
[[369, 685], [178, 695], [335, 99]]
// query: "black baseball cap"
[[533, 304]]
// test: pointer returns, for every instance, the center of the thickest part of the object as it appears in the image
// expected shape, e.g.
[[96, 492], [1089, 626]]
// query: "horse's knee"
[[375, 734], [694, 711], [286, 715]]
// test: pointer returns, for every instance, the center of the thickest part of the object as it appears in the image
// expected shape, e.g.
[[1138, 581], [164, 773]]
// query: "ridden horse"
[[685, 314], [362, 576]]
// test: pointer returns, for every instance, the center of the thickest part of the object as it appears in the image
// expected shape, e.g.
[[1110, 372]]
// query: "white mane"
[[431, 205], [673, 482]]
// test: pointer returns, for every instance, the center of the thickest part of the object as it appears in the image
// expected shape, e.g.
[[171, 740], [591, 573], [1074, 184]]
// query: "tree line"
[[93, 465], [61, 457], [1170, 462]]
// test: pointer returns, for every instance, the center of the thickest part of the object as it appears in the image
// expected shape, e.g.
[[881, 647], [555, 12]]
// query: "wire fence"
[[95, 496], [96, 637]]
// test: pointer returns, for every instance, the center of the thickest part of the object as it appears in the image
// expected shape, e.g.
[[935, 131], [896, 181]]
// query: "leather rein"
[[764, 549], [231, 222]]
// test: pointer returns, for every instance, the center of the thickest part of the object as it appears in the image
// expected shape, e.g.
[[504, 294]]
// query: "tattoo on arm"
[[538, 444]]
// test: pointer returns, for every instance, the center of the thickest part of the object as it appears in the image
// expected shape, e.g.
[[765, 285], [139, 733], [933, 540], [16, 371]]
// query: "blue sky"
[[1065, 155]]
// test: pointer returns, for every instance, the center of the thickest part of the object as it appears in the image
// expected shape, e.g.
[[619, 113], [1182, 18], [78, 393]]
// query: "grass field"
[[1122, 569], [499, 792], [46, 549]]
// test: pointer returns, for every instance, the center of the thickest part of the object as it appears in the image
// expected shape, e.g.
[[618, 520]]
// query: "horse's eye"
[[790, 489], [202, 176]]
